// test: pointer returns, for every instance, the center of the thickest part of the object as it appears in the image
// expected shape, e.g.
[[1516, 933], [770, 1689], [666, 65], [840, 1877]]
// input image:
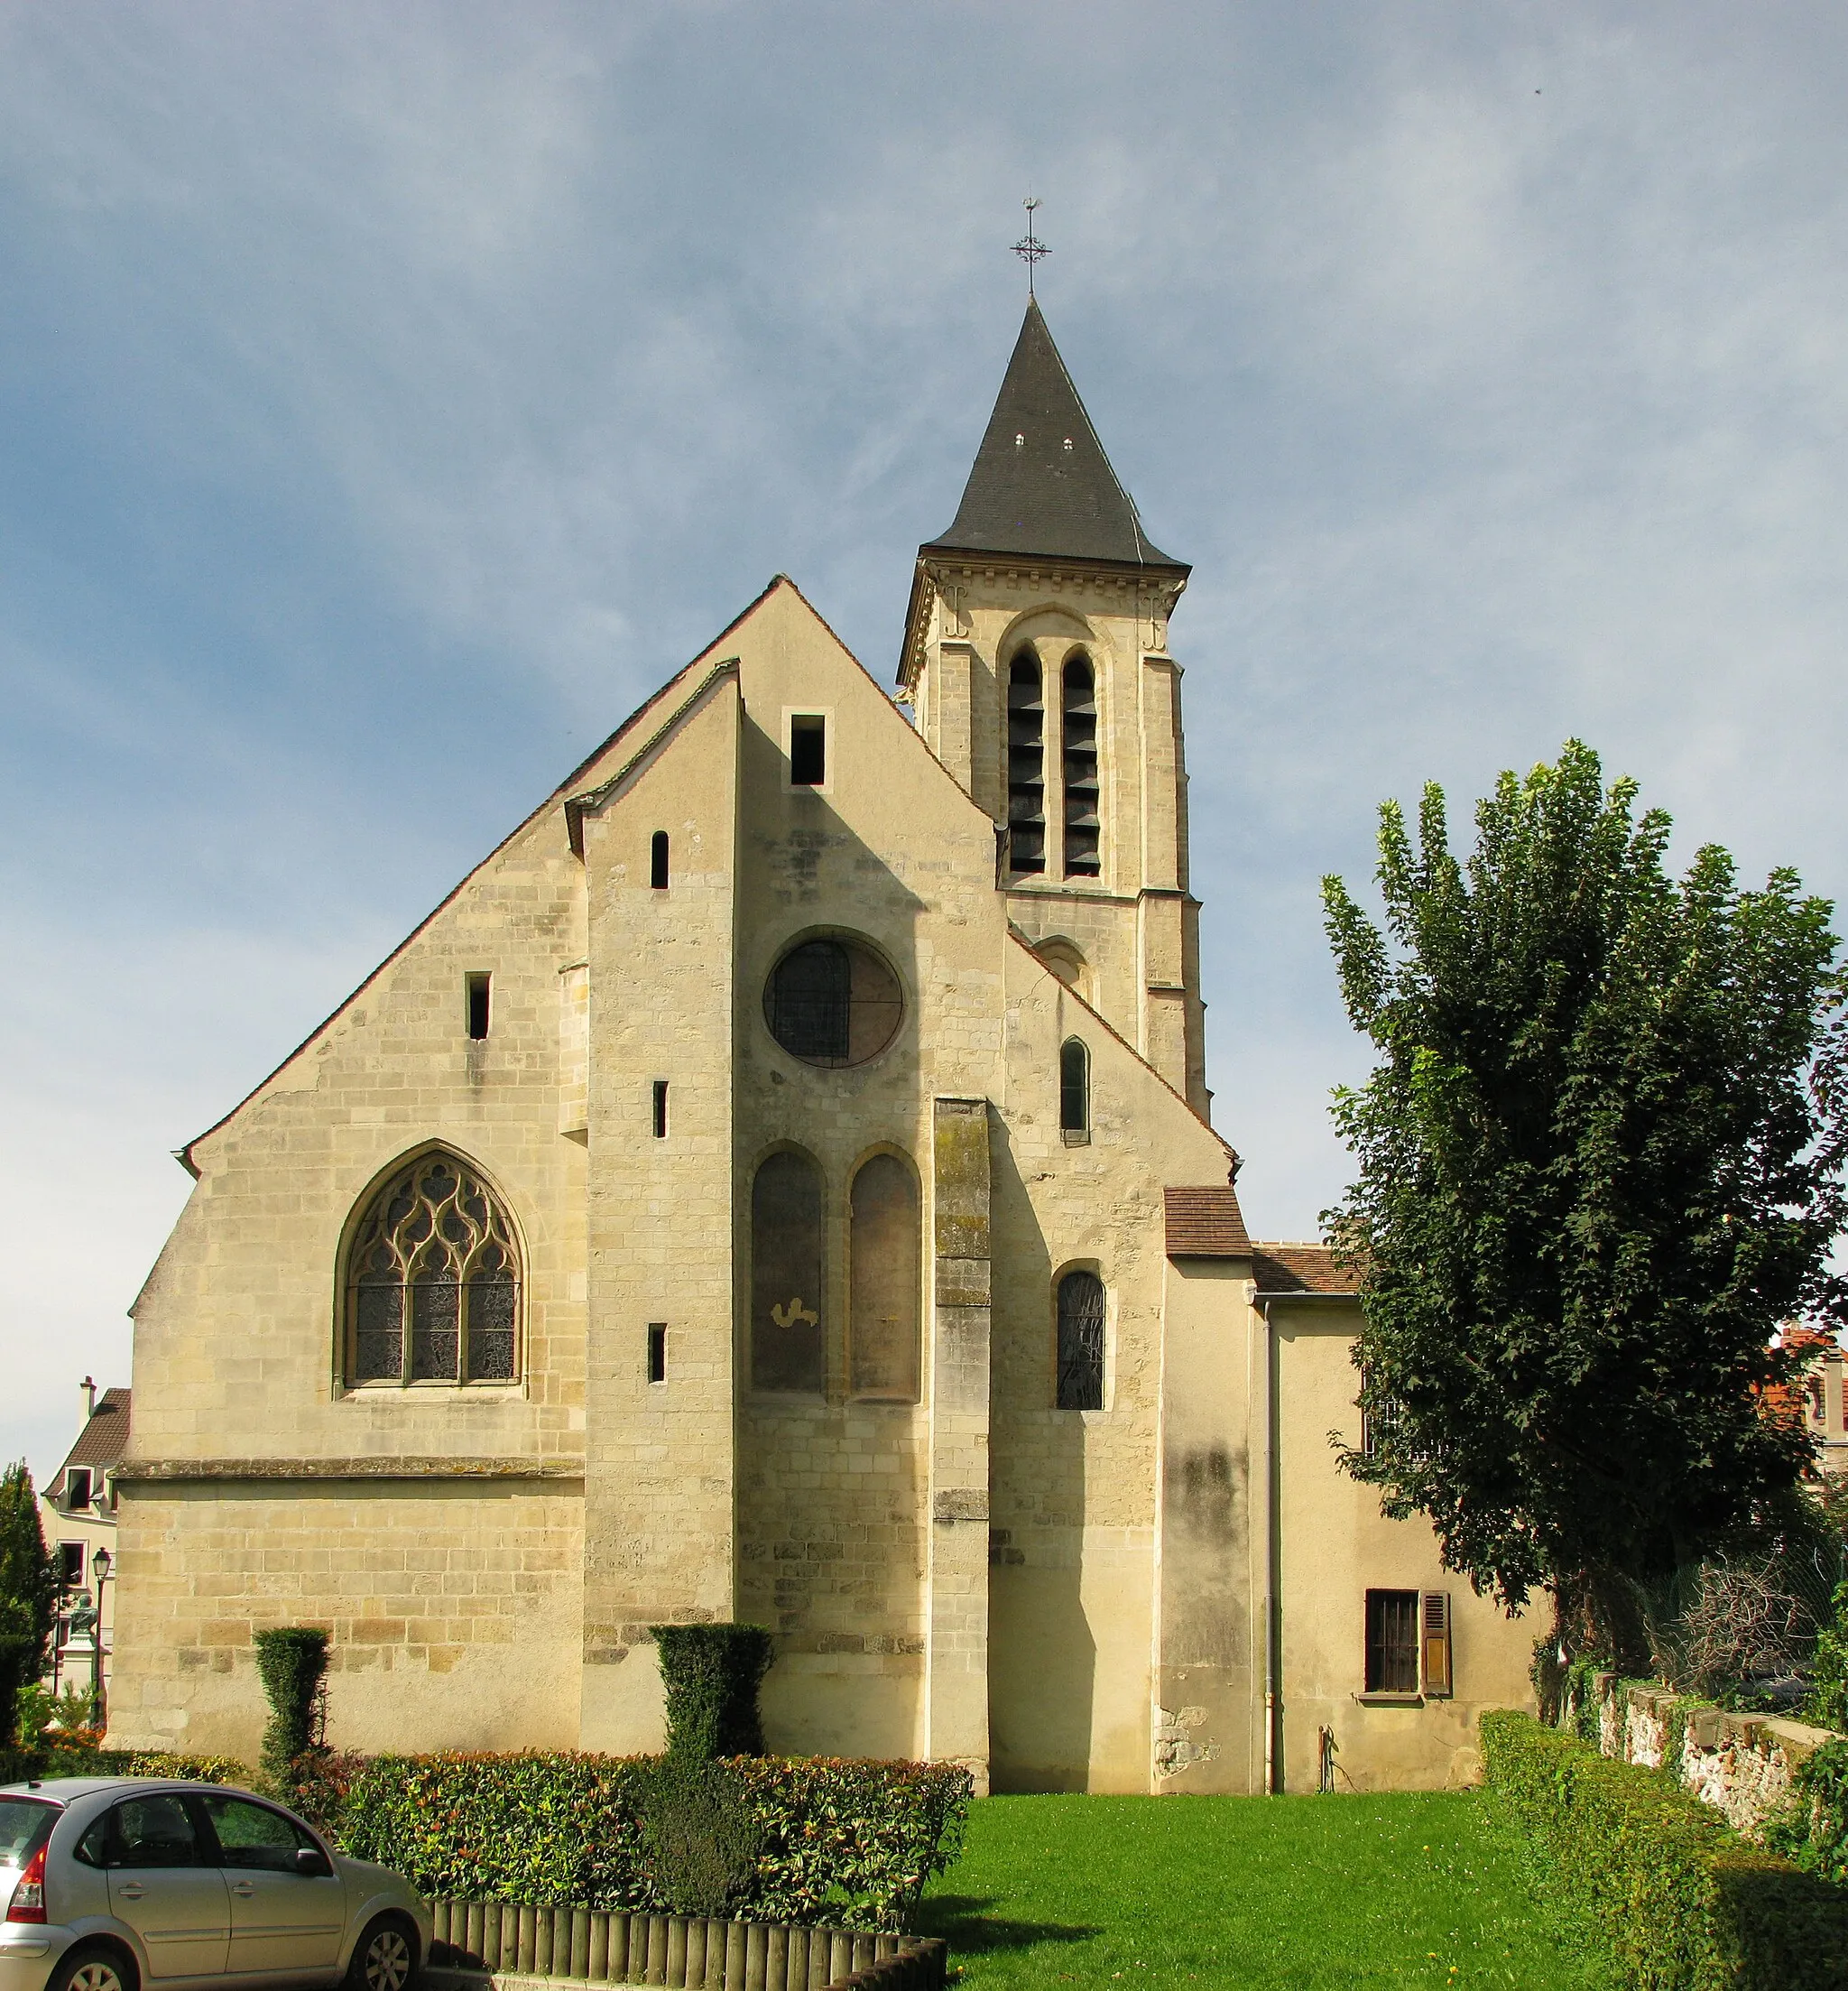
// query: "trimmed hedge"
[[848, 1843], [18, 1766], [1678, 1900]]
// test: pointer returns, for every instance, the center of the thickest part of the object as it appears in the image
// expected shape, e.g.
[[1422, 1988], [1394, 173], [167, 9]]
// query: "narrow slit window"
[[478, 986], [1074, 1087], [1026, 767], [1393, 1641], [1084, 826], [807, 750], [656, 1351], [658, 861], [660, 1109]]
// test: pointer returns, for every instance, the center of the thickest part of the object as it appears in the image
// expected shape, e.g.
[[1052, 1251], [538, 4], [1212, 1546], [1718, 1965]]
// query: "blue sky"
[[390, 397]]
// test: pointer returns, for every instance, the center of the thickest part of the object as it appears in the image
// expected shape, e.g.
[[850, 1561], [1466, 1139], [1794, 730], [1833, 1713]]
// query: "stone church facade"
[[778, 1184]]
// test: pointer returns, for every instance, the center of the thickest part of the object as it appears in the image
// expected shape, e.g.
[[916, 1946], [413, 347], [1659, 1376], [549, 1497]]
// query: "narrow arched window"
[[432, 1281], [885, 1281], [789, 1349], [1084, 826], [1081, 1342], [658, 861], [1026, 766], [1074, 1087]]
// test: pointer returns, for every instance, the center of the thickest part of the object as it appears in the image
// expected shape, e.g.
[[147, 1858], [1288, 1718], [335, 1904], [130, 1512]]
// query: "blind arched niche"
[[789, 1347], [883, 1332]]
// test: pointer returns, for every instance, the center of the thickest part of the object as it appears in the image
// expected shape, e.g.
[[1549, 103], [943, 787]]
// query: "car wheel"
[[94, 1967], [385, 1958]]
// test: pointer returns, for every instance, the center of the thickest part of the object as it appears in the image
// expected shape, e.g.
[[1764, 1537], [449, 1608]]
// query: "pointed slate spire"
[[1042, 484]]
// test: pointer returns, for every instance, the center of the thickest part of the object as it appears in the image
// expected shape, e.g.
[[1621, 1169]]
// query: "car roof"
[[68, 1789]]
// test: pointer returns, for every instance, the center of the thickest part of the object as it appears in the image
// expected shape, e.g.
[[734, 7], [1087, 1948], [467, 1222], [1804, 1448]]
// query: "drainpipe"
[[1273, 1557]]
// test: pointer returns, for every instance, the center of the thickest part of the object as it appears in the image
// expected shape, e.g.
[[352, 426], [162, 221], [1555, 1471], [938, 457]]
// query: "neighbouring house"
[[78, 1512], [1815, 1396], [779, 1183]]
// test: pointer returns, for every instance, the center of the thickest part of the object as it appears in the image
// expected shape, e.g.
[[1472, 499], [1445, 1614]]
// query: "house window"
[[1074, 1088], [1084, 828], [807, 750], [833, 1002], [1081, 1342], [789, 1349], [1393, 1641], [656, 1351], [658, 861], [1026, 767], [432, 1281], [476, 989], [78, 1487], [71, 1565], [885, 1283]]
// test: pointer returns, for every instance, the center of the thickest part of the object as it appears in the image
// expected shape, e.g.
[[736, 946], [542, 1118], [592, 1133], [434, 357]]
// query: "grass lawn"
[[1409, 1889]]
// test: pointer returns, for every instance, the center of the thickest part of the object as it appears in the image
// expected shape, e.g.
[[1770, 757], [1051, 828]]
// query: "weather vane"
[[1029, 249]]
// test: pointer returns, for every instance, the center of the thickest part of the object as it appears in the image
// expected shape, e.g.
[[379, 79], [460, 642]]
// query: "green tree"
[[1599, 1162], [28, 1594]]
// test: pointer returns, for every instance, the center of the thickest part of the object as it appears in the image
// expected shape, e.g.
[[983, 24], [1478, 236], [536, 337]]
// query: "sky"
[[389, 398]]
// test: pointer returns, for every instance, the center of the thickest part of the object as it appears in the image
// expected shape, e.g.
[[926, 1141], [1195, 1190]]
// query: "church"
[[778, 1183]]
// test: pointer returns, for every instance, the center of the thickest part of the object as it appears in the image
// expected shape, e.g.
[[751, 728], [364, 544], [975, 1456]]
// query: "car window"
[[252, 1835], [23, 1822], [148, 1832]]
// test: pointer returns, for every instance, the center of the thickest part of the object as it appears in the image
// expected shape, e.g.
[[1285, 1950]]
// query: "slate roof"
[[101, 1442], [1206, 1223], [1041, 483], [1300, 1268]]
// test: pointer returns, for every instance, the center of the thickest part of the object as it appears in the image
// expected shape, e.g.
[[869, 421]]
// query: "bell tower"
[[1036, 661]]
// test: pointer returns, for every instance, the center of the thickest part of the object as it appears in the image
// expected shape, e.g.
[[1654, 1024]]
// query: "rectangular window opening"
[[660, 1109], [656, 1351], [477, 987], [78, 1488], [71, 1565], [1393, 1641], [807, 750]]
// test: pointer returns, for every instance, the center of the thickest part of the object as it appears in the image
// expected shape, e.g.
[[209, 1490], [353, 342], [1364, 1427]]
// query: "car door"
[[287, 1913], [161, 1884]]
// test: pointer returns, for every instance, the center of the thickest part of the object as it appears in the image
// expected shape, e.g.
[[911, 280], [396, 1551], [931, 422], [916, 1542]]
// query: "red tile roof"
[[1206, 1223], [103, 1440], [1300, 1268]]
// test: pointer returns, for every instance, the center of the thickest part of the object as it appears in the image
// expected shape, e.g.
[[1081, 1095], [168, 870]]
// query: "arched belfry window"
[[1081, 1342], [1074, 1087], [433, 1280], [1026, 765], [1083, 825], [885, 1284], [788, 1343]]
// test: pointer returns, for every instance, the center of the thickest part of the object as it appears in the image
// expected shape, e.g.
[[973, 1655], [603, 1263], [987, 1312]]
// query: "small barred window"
[[433, 1281]]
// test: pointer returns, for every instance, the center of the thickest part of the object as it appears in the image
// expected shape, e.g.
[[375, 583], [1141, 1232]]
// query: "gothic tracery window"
[[433, 1281]]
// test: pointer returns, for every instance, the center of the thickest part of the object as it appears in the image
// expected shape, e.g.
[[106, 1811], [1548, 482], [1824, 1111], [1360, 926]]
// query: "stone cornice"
[[410, 1465]]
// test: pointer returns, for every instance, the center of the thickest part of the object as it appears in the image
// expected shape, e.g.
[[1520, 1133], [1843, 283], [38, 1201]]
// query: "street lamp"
[[99, 1568]]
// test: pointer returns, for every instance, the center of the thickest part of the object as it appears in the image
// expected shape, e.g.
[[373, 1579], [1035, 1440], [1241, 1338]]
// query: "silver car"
[[118, 1884]]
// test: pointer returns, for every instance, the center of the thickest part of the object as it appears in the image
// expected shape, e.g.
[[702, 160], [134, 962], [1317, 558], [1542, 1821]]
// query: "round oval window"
[[833, 1002]]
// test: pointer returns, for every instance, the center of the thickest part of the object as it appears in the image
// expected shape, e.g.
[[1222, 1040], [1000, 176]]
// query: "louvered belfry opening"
[[1084, 826], [1026, 767]]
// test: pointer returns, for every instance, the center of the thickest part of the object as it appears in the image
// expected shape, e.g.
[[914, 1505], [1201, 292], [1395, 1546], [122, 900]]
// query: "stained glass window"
[[434, 1254]]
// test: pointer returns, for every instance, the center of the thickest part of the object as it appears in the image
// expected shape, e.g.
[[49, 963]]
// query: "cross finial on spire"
[[1029, 249]]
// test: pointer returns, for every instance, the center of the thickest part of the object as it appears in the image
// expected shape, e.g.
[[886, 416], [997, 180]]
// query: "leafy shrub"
[[711, 1673], [850, 1843], [701, 1838], [1677, 1901], [1827, 1705], [1813, 1831], [291, 1661], [58, 1758]]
